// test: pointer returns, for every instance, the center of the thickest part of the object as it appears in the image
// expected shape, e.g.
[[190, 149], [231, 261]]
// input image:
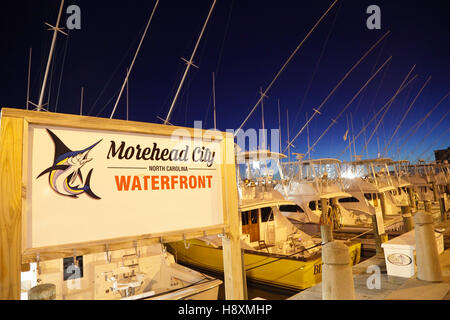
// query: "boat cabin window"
[[245, 218], [291, 208], [315, 205], [349, 199], [254, 216], [372, 197], [266, 214]]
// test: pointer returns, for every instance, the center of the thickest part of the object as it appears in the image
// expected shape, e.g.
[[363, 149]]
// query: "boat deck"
[[392, 288]]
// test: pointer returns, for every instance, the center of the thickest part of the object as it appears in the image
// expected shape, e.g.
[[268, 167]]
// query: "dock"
[[393, 288]]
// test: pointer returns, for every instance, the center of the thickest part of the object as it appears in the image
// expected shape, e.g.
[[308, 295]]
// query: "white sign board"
[[88, 185]]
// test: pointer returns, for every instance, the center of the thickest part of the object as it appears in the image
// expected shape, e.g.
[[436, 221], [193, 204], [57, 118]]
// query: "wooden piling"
[[427, 256], [383, 204], [408, 222], [412, 200], [427, 205], [42, 292], [337, 276], [379, 235], [435, 192], [442, 208]]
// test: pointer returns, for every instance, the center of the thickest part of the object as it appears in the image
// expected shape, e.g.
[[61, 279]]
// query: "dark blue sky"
[[245, 44]]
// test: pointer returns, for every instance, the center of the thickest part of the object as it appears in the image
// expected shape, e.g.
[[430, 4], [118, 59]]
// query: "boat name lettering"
[[318, 268]]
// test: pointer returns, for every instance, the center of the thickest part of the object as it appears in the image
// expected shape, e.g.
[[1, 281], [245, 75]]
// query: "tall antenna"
[[55, 29], [365, 138], [262, 119], [127, 96], [307, 133], [353, 134], [81, 102], [134, 59], [214, 101], [279, 124], [188, 65], [28, 82], [349, 143], [289, 145]]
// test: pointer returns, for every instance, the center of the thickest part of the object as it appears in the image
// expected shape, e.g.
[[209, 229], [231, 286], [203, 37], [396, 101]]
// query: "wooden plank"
[[10, 207], [25, 155], [94, 123], [232, 254]]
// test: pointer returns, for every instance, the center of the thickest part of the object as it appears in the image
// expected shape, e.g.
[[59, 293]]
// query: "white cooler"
[[400, 253]]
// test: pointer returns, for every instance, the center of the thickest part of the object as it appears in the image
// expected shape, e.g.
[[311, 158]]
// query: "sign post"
[[82, 183]]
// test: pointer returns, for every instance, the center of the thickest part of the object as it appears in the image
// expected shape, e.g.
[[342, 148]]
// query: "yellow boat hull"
[[274, 270]]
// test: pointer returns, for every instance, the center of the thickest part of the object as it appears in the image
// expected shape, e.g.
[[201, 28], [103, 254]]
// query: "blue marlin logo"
[[66, 169]]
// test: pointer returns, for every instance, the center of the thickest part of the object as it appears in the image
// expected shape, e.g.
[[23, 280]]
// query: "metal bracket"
[[138, 253], [108, 254], [223, 235], [186, 245]]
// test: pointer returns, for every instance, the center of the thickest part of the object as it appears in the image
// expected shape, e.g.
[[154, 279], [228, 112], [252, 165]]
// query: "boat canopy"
[[321, 161], [260, 155], [368, 161]]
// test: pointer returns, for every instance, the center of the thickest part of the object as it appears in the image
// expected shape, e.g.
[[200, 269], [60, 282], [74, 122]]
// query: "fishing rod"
[[134, 59], [55, 29], [189, 64], [317, 65], [348, 104], [317, 111], [29, 74], [283, 67], [418, 125], [435, 141], [387, 109], [428, 134], [404, 116], [379, 111]]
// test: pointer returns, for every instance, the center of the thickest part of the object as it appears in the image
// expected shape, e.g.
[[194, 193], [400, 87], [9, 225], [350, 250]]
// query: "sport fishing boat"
[[275, 252], [420, 177], [310, 183], [398, 173], [430, 182], [367, 181], [145, 273]]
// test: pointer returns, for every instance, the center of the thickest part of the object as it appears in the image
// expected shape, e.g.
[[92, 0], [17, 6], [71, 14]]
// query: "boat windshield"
[[261, 169]]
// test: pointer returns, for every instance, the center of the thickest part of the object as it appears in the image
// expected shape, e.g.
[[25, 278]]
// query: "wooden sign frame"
[[14, 256]]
